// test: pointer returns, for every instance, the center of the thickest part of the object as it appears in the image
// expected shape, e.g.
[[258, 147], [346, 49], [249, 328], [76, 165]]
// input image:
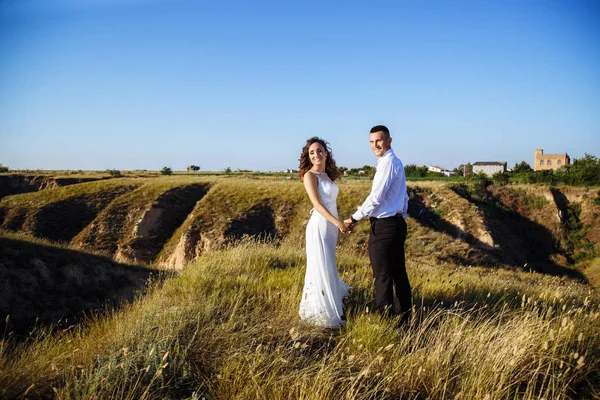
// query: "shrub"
[[522, 167], [412, 170], [115, 173], [481, 182], [3, 168], [501, 177], [166, 171], [460, 170]]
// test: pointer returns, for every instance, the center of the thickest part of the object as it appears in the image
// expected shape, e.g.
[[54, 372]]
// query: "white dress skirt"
[[323, 292]]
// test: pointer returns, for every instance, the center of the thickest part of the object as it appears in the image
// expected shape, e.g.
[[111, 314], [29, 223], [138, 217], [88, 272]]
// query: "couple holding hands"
[[386, 207]]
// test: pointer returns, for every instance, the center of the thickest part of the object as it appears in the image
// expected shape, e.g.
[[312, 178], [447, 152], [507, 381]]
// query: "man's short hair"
[[381, 128]]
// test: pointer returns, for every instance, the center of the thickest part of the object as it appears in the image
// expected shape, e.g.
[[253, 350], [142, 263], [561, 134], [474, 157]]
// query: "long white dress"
[[321, 302]]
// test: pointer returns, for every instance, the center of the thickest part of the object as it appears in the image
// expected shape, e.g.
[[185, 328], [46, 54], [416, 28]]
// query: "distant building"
[[489, 167], [440, 170], [542, 162]]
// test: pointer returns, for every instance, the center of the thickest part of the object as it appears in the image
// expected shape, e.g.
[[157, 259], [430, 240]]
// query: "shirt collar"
[[386, 155]]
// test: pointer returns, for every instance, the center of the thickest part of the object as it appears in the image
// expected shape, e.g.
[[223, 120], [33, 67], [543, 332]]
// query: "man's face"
[[380, 143]]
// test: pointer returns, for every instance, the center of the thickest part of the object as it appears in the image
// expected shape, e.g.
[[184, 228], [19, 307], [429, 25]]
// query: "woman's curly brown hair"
[[331, 168]]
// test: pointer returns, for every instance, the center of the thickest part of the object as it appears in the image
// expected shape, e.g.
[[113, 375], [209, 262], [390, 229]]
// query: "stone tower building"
[[543, 161]]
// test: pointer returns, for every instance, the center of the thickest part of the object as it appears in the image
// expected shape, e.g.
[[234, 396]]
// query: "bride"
[[321, 302]]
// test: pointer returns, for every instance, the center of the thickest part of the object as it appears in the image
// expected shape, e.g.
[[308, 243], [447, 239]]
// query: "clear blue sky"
[[133, 84]]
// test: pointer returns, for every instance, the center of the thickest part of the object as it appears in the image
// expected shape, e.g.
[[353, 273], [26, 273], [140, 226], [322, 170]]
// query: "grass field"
[[226, 325]]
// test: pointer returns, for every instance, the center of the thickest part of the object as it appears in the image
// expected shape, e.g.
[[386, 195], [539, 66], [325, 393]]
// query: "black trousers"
[[386, 251]]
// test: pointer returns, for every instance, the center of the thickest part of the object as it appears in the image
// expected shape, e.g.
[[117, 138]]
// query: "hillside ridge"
[[172, 221]]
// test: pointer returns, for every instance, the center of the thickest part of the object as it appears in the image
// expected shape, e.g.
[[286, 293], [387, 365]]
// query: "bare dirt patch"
[[158, 223]]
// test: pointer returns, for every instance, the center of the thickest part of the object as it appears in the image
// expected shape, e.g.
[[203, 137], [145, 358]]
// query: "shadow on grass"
[[484, 303], [47, 285], [481, 253], [519, 241], [257, 223]]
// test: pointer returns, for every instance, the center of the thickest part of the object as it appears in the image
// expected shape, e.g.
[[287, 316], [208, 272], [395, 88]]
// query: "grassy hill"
[[48, 284], [227, 327], [502, 306]]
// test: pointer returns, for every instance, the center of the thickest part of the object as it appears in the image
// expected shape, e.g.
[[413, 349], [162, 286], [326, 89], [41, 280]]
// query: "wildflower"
[[293, 333]]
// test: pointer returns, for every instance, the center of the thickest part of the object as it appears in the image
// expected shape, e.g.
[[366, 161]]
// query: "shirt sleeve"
[[405, 206], [381, 184]]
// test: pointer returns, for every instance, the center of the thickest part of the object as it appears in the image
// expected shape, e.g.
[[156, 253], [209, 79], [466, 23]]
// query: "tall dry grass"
[[227, 327]]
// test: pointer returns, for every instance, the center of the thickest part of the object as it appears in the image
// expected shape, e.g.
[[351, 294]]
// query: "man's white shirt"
[[388, 195]]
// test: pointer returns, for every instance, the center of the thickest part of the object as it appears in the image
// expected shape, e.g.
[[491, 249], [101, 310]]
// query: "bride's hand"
[[342, 227]]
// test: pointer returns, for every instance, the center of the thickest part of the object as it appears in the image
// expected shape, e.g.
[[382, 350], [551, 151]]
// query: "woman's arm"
[[310, 184]]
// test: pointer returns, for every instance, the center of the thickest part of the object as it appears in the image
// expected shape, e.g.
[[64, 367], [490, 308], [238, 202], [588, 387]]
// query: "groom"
[[386, 206]]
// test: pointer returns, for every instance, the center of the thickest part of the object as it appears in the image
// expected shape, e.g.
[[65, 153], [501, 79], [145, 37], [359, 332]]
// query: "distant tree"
[[193, 168], [522, 167], [584, 171], [3, 168], [115, 173], [468, 169], [343, 169], [460, 170], [369, 171], [228, 170], [166, 171], [411, 170]]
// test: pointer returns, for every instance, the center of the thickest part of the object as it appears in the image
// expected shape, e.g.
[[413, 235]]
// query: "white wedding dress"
[[321, 302]]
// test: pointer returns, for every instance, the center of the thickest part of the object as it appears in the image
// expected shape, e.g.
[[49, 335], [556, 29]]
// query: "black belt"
[[399, 215]]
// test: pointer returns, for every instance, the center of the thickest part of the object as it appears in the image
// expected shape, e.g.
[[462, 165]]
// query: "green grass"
[[526, 198], [89, 189], [227, 327]]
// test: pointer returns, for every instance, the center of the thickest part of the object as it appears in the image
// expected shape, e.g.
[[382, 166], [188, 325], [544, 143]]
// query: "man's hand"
[[349, 225]]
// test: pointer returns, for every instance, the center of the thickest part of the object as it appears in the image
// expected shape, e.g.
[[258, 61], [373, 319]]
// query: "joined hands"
[[348, 226]]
